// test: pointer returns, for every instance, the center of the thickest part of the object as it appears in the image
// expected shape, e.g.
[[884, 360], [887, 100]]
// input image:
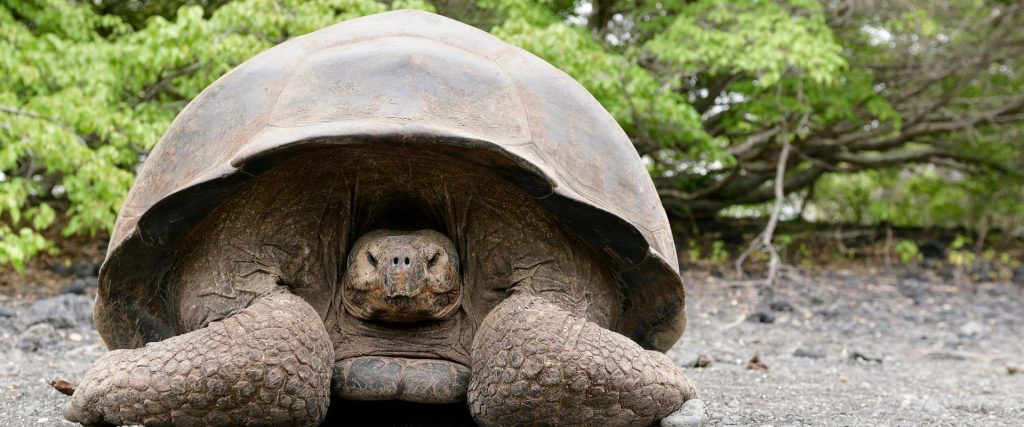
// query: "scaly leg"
[[534, 363], [267, 364]]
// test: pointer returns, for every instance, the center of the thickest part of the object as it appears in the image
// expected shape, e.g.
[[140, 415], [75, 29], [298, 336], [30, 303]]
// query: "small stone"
[[1013, 369], [809, 353], [762, 317], [703, 361], [1018, 275], [37, 337], [755, 363], [692, 414], [843, 379], [971, 329], [932, 250], [863, 357], [74, 336], [781, 305], [946, 355]]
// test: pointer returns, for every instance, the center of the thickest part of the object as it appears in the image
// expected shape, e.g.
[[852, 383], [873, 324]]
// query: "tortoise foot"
[[536, 364], [268, 364]]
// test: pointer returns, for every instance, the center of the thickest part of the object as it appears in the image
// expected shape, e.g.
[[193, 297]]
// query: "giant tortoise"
[[397, 207]]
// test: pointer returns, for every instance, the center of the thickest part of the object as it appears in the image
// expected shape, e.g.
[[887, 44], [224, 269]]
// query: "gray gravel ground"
[[40, 341], [858, 348], [845, 348]]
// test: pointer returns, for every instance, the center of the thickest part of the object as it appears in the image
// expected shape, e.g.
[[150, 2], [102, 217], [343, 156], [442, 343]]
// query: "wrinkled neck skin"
[[297, 224]]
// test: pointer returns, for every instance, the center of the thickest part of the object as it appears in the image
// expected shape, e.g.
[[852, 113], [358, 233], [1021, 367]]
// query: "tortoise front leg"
[[268, 364], [534, 363]]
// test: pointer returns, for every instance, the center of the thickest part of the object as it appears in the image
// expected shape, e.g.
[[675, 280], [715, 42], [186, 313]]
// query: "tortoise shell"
[[413, 79]]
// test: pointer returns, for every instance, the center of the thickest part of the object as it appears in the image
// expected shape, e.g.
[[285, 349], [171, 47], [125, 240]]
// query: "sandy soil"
[[846, 348]]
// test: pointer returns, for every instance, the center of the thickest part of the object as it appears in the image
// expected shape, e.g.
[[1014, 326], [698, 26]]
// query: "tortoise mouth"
[[433, 381]]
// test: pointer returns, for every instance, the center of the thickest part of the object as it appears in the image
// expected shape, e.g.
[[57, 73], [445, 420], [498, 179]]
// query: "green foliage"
[[958, 254], [719, 254], [907, 251], [921, 196], [761, 39], [909, 113], [613, 76], [693, 251], [84, 96]]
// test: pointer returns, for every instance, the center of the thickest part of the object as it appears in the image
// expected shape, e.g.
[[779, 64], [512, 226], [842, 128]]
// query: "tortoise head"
[[402, 276]]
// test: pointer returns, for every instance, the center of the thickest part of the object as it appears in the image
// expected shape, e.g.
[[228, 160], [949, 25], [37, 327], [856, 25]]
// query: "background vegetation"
[[905, 113]]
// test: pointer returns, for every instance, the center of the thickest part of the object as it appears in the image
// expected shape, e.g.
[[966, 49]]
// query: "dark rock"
[[82, 268], [913, 276], [85, 268], [984, 273], [79, 286], [931, 249], [781, 305], [828, 314], [947, 355], [931, 263], [914, 290], [762, 317], [1018, 275], [62, 311], [809, 353], [36, 337], [6, 312], [1001, 291], [865, 358], [60, 269]]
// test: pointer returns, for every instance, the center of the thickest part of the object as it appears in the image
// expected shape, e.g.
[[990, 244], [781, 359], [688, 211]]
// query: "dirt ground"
[[849, 347]]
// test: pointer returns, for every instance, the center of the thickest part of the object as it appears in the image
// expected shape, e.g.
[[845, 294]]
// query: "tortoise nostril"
[[407, 261], [394, 261]]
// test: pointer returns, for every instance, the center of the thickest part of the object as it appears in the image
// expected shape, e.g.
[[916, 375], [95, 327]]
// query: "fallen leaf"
[[63, 387]]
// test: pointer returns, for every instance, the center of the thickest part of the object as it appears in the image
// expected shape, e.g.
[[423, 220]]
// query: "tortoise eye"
[[432, 260], [369, 257]]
